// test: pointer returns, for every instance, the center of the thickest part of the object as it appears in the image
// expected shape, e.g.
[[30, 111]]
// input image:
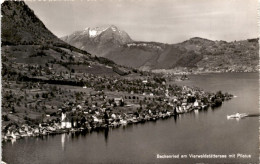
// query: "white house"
[[145, 81], [65, 121], [118, 100], [196, 104]]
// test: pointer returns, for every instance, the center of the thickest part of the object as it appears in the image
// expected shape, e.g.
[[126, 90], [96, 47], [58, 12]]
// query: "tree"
[[52, 94], [121, 103], [13, 109], [44, 95], [5, 118], [83, 120]]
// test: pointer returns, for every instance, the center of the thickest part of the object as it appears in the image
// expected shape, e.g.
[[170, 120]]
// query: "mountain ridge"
[[98, 40], [195, 54]]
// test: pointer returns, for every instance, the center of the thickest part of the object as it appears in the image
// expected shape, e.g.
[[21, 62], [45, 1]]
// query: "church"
[[65, 120]]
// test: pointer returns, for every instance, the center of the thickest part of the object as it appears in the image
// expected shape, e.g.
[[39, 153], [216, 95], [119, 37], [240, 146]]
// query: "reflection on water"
[[196, 114], [175, 118], [63, 141], [106, 134], [13, 141]]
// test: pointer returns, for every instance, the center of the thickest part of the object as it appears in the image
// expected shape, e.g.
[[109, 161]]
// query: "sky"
[[166, 21]]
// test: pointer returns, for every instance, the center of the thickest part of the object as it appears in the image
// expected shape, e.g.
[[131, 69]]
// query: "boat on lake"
[[237, 115]]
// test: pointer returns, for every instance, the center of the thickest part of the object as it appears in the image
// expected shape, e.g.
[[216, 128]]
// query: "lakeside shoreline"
[[173, 72], [106, 123]]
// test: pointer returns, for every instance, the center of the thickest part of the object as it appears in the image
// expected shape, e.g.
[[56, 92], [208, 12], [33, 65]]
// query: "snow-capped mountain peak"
[[94, 32], [98, 40]]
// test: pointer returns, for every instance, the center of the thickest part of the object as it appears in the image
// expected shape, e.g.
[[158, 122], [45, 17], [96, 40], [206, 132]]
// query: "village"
[[126, 81], [63, 96], [101, 103]]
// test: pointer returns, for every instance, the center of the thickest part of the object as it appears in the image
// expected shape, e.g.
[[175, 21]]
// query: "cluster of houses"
[[134, 100], [77, 118]]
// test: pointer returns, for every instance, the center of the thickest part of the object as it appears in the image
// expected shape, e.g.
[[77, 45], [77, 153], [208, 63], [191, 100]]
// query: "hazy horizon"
[[168, 21]]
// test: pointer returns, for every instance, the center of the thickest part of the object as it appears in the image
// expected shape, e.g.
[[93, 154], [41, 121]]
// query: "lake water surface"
[[205, 132]]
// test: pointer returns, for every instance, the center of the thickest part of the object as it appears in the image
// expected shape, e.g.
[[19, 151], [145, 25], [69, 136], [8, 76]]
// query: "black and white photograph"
[[130, 82]]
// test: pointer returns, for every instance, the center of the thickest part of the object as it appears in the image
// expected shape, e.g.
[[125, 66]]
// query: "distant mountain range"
[[195, 54]]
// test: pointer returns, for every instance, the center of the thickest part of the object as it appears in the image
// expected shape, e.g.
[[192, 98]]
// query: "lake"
[[204, 132]]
